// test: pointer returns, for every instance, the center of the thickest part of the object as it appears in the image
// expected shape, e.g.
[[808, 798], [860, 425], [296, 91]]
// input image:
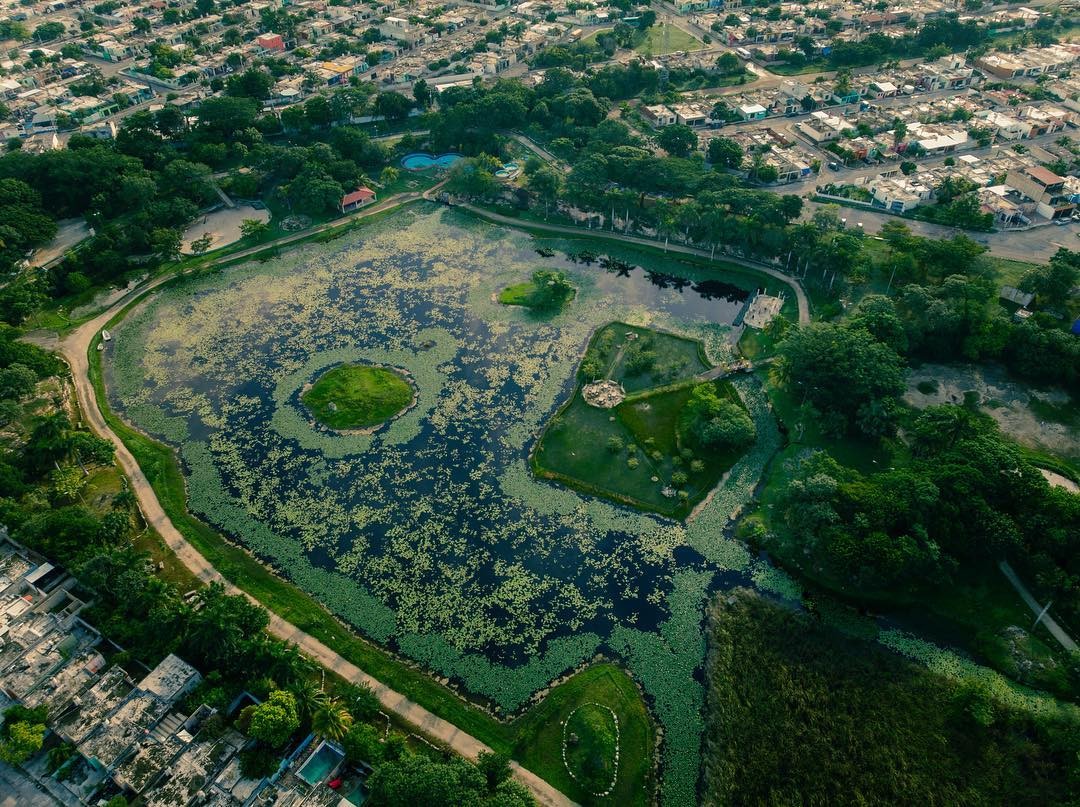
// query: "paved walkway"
[[1055, 629], [75, 348]]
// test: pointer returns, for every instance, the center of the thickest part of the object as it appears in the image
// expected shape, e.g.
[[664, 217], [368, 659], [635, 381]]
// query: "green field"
[[545, 292], [632, 453], [591, 739], [663, 38], [540, 733], [356, 396]]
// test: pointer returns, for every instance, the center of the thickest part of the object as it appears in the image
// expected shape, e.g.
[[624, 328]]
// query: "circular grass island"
[[358, 396], [591, 747]]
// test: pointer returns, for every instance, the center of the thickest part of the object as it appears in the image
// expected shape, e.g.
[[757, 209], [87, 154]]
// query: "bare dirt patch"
[[1017, 409]]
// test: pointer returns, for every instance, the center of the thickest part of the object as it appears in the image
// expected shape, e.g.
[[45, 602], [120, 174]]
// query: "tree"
[[23, 741], [389, 175], [715, 423], [274, 721], [252, 83], [392, 105], [724, 151], [16, 381], [166, 242], [201, 244], [331, 719], [551, 290], [546, 183], [362, 744], [877, 314], [474, 177], [416, 779], [48, 31], [222, 117], [422, 93], [495, 767], [314, 192], [728, 64], [12, 29], [677, 140], [254, 228], [819, 359], [1053, 282]]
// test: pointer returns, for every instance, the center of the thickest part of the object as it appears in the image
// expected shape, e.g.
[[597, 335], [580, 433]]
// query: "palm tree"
[[330, 719], [309, 698]]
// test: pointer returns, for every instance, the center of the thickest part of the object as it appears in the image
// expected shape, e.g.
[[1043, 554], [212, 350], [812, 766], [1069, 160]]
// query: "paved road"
[[577, 232], [74, 349], [19, 790], [1055, 629]]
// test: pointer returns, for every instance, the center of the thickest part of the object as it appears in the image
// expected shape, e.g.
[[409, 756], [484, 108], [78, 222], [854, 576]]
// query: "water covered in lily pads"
[[431, 534]]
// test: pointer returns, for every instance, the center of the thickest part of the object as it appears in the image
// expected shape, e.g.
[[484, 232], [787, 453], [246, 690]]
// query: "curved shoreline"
[[77, 348]]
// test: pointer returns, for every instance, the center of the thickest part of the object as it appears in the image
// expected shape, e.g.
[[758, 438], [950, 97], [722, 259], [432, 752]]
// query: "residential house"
[[361, 197]]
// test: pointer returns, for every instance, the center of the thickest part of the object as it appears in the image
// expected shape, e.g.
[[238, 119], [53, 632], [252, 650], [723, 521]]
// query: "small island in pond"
[[358, 396], [547, 291], [650, 423]]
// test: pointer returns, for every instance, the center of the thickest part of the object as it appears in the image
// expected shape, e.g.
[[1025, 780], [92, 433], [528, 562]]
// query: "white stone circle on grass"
[[566, 764]]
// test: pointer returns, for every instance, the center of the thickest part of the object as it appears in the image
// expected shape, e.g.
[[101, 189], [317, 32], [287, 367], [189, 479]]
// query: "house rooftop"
[[170, 679], [1043, 175]]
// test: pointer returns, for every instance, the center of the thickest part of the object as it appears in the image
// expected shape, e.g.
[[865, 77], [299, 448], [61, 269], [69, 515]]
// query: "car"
[[1062, 222], [833, 165]]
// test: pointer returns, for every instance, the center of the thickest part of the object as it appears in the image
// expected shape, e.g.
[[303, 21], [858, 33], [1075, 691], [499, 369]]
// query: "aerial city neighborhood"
[[600, 402]]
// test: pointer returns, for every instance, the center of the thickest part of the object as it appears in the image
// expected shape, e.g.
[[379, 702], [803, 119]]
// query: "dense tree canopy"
[[822, 359]]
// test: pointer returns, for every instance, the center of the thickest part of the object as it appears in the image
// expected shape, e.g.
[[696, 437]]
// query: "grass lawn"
[[663, 38], [356, 396], [529, 738], [811, 66], [545, 292], [630, 453], [591, 746], [755, 344], [540, 732]]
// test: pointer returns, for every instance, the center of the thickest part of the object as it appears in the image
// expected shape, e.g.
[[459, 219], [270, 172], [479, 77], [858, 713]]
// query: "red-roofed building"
[[270, 43], [361, 197]]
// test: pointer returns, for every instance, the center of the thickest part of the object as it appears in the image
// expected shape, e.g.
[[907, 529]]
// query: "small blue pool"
[[320, 764], [357, 795], [419, 161]]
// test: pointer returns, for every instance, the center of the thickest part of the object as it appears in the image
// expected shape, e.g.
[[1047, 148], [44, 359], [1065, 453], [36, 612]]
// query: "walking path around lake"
[[75, 349], [1055, 629]]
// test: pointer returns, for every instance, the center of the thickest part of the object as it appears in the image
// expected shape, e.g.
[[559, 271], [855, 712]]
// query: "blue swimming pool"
[[418, 161], [358, 795], [320, 764]]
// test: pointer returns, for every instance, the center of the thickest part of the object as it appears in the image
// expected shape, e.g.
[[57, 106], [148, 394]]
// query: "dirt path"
[[75, 348], [1055, 629], [577, 232]]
